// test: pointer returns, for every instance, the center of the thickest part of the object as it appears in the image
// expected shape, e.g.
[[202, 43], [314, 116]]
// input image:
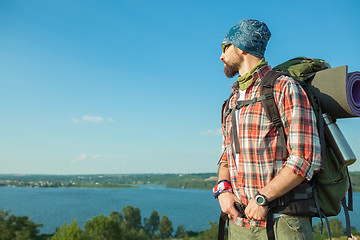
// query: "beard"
[[232, 67], [231, 70]]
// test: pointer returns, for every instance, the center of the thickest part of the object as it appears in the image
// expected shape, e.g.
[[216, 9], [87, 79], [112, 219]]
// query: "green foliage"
[[117, 216], [198, 181], [180, 232], [354, 231], [355, 181], [118, 226], [132, 217], [191, 234], [126, 225], [151, 224], [70, 232], [132, 234], [211, 233], [336, 227], [192, 183], [201, 181], [165, 227], [17, 228], [104, 228]]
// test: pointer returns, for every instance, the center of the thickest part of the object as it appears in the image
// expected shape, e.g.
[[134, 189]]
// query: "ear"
[[241, 52]]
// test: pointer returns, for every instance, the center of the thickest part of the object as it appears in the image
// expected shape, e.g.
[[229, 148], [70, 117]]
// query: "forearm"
[[223, 172], [281, 184], [227, 199]]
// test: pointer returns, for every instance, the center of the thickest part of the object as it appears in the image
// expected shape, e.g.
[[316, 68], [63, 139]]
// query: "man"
[[252, 165]]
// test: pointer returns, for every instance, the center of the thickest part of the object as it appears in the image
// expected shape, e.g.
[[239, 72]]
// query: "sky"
[[136, 86]]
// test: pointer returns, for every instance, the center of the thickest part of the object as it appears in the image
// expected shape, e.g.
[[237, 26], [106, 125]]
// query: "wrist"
[[267, 192], [221, 187]]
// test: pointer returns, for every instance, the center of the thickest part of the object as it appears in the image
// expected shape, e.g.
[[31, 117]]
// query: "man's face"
[[231, 59]]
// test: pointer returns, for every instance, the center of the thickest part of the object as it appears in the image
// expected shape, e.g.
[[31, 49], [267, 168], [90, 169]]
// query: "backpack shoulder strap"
[[269, 105], [225, 108]]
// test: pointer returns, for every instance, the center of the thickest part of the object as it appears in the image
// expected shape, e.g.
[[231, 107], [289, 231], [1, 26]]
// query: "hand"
[[226, 201], [256, 212]]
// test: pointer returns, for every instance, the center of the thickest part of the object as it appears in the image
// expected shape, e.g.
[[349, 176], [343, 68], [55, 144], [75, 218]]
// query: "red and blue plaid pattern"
[[261, 157]]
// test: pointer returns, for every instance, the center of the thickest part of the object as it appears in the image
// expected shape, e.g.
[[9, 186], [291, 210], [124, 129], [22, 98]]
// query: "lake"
[[52, 207]]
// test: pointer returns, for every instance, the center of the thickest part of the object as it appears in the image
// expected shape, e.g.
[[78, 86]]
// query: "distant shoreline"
[[184, 181], [78, 186]]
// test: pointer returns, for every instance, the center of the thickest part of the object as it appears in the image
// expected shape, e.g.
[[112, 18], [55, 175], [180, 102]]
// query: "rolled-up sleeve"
[[223, 157], [300, 125]]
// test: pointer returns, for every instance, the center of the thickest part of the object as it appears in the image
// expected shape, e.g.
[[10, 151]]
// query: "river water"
[[52, 207]]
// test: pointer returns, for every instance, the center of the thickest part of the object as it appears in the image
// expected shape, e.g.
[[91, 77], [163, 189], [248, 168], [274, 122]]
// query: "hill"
[[189, 181]]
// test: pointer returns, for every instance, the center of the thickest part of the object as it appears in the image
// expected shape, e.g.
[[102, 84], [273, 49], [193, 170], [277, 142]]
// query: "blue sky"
[[136, 86]]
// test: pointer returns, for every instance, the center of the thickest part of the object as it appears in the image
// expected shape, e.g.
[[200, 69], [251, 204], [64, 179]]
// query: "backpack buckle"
[[268, 96], [277, 122]]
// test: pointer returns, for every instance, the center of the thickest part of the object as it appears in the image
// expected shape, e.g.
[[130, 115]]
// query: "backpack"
[[324, 195]]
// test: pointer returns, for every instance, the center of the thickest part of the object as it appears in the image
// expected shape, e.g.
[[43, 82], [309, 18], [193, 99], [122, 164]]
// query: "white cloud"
[[93, 157], [80, 158], [212, 132], [92, 119], [87, 118]]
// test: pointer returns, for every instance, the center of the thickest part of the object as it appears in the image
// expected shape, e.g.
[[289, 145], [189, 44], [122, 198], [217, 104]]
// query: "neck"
[[249, 63]]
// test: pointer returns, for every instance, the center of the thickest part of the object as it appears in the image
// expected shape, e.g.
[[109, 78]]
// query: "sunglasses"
[[225, 47]]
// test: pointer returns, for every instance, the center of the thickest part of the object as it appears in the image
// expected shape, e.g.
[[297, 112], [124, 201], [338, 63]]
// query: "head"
[[246, 39], [232, 57]]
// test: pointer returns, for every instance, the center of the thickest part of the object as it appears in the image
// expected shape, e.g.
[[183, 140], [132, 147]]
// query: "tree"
[[104, 228], [132, 217], [180, 232], [16, 228], [132, 234], [211, 233], [151, 225], [165, 227], [117, 216], [70, 232], [336, 227]]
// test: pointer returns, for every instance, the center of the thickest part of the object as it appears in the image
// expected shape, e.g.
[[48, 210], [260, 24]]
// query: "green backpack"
[[325, 194]]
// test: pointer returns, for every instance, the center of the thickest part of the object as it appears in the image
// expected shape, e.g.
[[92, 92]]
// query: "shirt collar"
[[261, 72]]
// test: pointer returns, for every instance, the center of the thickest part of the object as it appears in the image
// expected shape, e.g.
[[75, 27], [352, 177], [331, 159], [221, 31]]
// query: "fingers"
[[234, 212], [255, 212], [231, 210], [227, 201], [254, 215]]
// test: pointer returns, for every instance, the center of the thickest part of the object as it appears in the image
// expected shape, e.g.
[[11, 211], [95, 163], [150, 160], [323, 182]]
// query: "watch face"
[[260, 200]]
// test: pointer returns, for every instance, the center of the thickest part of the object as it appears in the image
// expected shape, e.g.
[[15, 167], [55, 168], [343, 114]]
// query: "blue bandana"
[[249, 35]]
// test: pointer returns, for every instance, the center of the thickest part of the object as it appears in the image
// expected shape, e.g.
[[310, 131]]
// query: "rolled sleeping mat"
[[338, 92], [353, 92]]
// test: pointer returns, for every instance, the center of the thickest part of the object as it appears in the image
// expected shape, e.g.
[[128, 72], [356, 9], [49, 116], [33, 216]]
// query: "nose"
[[222, 56]]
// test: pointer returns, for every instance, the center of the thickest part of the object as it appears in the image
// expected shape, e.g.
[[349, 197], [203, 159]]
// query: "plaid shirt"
[[261, 156]]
